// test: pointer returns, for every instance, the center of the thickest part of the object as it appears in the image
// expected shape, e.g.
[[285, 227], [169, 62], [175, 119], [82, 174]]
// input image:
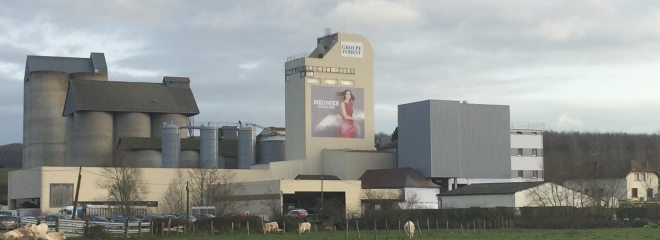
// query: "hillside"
[[11, 155]]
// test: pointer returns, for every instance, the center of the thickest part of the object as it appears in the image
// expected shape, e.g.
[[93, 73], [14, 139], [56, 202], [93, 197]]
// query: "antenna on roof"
[[327, 31]]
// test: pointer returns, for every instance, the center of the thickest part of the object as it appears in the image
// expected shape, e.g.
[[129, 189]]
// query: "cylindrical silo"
[[92, 139], [132, 124], [189, 159], [44, 128], [208, 147], [157, 121], [148, 158], [270, 149], [246, 142], [171, 146]]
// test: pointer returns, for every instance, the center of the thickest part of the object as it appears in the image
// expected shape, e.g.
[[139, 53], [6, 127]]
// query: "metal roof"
[[491, 188], [395, 178], [113, 96], [316, 177], [95, 63]]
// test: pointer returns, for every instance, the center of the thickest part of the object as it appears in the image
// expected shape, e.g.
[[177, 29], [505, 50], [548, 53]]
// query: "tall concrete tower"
[[315, 89], [45, 87]]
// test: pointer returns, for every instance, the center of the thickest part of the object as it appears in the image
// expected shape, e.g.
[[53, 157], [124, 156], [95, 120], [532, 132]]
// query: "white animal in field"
[[38, 230], [409, 228], [18, 233], [304, 226], [52, 236], [271, 227]]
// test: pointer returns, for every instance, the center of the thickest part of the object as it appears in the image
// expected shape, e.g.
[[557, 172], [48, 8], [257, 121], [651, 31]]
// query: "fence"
[[75, 228]]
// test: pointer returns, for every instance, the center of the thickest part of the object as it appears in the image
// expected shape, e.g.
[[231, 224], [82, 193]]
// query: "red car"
[[298, 213]]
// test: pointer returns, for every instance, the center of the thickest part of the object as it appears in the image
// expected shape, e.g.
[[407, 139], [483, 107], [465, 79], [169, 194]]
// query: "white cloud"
[[567, 121]]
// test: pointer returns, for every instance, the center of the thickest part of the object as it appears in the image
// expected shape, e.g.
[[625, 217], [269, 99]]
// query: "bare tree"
[[554, 195], [274, 205], [215, 187], [124, 182], [173, 201]]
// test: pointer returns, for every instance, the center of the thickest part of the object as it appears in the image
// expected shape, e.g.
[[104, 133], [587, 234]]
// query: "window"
[[520, 173], [637, 177], [520, 152], [535, 133], [535, 174], [61, 194], [347, 82], [534, 152], [330, 81], [634, 192], [649, 193], [310, 74], [313, 80], [642, 177], [320, 69], [519, 133]]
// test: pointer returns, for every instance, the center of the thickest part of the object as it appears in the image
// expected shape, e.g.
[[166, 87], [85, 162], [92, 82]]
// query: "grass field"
[[491, 234]]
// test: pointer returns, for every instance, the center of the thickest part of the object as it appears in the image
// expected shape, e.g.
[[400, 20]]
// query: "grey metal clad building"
[[450, 139]]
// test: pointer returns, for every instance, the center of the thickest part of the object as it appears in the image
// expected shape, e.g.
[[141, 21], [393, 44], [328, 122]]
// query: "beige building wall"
[[35, 183], [347, 164], [300, 145]]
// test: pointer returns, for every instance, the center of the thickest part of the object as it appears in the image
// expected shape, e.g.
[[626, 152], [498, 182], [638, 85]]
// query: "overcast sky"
[[572, 65]]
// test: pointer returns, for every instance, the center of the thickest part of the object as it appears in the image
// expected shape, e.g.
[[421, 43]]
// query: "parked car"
[[298, 213], [147, 218], [192, 218], [204, 216], [97, 218], [8, 222], [117, 218], [52, 217]]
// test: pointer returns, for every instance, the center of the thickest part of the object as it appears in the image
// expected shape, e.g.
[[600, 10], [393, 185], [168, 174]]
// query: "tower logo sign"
[[351, 49]]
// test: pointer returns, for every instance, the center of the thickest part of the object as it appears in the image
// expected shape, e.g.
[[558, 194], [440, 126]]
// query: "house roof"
[[316, 177], [395, 178], [112, 96], [608, 169], [95, 63], [491, 188]]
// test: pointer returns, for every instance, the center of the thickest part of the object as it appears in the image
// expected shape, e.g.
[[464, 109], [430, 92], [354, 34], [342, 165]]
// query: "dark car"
[[117, 218], [148, 218], [97, 218], [204, 216], [298, 213]]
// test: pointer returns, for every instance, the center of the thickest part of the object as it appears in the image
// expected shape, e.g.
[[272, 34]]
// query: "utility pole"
[[187, 202], [75, 200]]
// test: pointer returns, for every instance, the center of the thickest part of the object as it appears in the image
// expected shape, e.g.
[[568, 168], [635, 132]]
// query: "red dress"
[[347, 128]]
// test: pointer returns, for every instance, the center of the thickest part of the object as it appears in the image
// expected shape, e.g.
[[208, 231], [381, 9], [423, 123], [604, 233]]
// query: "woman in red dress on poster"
[[347, 128]]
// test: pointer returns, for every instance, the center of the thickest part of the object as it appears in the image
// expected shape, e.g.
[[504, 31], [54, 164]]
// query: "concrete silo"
[[189, 159], [92, 143], [45, 88], [246, 143]]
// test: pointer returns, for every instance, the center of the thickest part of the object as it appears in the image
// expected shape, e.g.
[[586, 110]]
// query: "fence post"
[[57, 224], [387, 235], [212, 228], [126, 227], [428, 225], [232, 228], [346, 236], [399, 229], [248, 227], [419, 228], [162, 228], [375, 230], [140, 228], [357, 227]]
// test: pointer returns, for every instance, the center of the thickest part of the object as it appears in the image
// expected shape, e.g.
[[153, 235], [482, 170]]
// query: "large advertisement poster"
[[337, 112]]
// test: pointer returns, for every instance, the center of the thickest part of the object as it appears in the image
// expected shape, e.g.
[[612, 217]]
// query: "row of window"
[[309, 70], [526, 173], [649, 193], [640, 176], [331, 81], [524, 133], [520, 152]]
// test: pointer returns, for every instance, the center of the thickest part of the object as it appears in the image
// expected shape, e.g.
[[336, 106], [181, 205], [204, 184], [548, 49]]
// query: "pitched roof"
[[95, 63], [316, 177], [608, 169], [113, 96], [491, 188], [395, 178]]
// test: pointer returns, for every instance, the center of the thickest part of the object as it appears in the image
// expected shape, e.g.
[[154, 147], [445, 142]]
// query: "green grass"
[[491, 234], [4, 174]]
